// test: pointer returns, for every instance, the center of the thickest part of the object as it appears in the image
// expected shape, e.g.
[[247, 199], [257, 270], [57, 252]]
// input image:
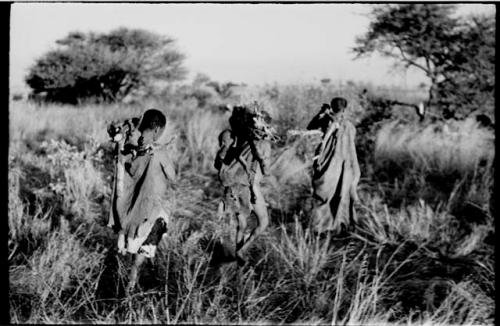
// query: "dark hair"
[[338, 104], [151, 119]]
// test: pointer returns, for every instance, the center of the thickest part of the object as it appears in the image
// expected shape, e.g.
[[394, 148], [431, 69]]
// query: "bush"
[[105, 67]]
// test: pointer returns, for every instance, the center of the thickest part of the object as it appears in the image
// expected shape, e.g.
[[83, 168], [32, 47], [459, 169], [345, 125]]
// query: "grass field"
[[424, 255]]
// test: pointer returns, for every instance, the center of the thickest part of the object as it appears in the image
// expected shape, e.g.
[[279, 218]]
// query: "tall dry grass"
[[441, 147], [417, 262]]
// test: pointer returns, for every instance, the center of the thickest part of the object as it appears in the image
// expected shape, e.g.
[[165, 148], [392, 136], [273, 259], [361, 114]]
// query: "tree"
[[105, 67], [457, 55], [469, 82]]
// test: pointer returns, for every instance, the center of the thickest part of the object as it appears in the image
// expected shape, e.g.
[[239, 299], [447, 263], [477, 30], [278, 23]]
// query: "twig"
[[297, 132]]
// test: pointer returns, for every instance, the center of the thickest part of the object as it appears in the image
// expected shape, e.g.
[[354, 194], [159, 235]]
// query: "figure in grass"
[[242, 161], [141, 195], [336, 170]]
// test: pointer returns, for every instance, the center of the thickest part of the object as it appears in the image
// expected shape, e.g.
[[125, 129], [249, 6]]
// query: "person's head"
[[226, 138], [324, 108], [124, 130], [338, 104], [327, 114], [152, 126]]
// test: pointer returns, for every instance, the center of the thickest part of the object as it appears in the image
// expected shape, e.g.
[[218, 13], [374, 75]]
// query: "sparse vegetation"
[[423, 255]]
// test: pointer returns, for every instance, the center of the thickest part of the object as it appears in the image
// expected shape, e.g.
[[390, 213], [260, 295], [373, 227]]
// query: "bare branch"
[[411, 62]]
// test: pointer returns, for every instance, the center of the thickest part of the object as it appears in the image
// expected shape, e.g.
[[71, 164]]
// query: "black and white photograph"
[[251, 163]]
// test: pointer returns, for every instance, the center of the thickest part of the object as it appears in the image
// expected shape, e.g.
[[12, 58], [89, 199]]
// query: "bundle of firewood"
[[251, 124]]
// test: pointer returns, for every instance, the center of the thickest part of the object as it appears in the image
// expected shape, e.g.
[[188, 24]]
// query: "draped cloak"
[[233, 174], [140, 196], [335, 177]]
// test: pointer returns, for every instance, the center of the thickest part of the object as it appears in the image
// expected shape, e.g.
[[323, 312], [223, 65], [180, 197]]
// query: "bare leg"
[[138, 260], [121, 243], [221, 210], [240, 230], [260, 210]]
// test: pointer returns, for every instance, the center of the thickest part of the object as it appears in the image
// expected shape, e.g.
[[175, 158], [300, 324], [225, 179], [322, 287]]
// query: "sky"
[[249, 43]]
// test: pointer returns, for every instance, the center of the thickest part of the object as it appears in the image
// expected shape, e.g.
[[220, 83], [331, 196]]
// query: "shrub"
[[105, 67]]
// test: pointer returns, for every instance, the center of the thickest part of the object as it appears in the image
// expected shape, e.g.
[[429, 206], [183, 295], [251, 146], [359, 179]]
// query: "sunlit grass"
[[441, 147], [409, 262]]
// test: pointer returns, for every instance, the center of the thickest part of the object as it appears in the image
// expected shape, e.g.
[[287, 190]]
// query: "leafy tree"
[[469, 79], [456, 54], [105, 67]]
